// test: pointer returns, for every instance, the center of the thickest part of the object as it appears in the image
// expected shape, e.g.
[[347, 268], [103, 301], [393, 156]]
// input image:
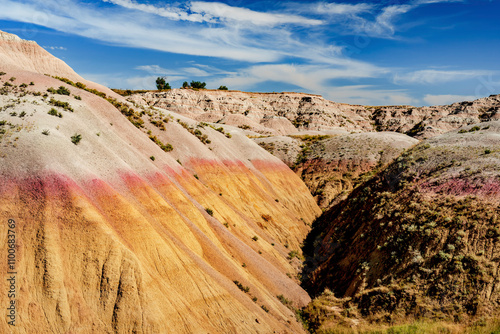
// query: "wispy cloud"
[[213, 12], [223, 12], [318, 79], [326, 8], [169, 12], [438, 76], [446, 99], [196, 70], [126, 29], [54, 47]]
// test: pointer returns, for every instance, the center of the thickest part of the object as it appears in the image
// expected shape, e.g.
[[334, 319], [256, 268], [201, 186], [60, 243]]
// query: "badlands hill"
[[333, 164], [286, 113], [420, 240], [135, 219]]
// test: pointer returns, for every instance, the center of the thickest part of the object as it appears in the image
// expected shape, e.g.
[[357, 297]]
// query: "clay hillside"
[[418, 242], [135, 219]]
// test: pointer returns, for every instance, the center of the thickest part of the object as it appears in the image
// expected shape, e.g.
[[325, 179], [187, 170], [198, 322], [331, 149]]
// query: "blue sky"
[[419, 52]]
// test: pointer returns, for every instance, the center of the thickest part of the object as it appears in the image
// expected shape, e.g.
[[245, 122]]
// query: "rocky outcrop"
[[286, 113], [277, 113], [426, 122]]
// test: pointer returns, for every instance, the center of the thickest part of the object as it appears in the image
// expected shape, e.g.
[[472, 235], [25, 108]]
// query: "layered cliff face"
[[286, 113], [427, 122], [264, 113], [418, 241], [137, 219]]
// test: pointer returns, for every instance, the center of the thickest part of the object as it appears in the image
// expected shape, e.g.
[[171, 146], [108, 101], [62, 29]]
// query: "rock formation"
[[286, 113], [136, 219], [418, 241]]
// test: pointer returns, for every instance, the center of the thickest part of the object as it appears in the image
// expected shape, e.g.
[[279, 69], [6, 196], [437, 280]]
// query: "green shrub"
[[64, 105], [222, 88], [166, 148], [46, 132], [161, 84], [284, 301], [75, 139], [54, 112], [152, 158], [198, 84], [63, 91], [265, 308], [245, 289], [255, 238], [209, 211], [293, 254]]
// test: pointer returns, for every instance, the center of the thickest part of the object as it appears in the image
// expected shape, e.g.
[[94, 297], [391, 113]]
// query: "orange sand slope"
[[109, 239]]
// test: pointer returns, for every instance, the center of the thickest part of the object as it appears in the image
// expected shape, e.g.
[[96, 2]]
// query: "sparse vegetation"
[[46, 132], [61, 104], [209, 211], [54, 112], [76, 138], [161, 84], [165, 148], [240, 286], [196, 132], [198, 84]]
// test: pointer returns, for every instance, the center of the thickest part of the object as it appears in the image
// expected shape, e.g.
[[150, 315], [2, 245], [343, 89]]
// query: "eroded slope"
[[420, 240], [131, 225]]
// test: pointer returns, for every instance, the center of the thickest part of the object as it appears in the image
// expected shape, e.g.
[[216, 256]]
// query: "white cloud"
[[213, 12], [340, 8], [54, 47], [425, 2], [197, 70], [317, 79], [224, 12], [434, 100], [438, 76], [169, 12], [119, 28], [370, 95]]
